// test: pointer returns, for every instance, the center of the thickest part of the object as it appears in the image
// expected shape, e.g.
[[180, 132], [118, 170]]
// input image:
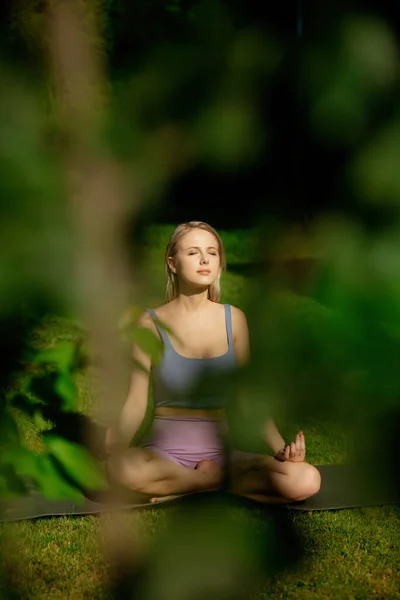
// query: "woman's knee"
[[308, 482], [135, 474], [124, 472], [116, 470]]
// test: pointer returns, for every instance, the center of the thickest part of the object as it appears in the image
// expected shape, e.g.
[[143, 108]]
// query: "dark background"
[[296, 177]]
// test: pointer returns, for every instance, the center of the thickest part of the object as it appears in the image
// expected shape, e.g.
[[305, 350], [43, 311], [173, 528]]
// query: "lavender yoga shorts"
[[187, 440]]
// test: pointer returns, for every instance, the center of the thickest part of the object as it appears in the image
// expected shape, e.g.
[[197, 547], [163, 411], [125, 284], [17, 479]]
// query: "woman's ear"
[[171, 264]]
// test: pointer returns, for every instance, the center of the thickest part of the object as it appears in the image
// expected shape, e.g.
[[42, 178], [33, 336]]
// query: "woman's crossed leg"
[[266, 480], [280, 479], [144, 472]]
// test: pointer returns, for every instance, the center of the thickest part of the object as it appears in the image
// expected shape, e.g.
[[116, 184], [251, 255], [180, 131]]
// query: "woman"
[[185, 451]]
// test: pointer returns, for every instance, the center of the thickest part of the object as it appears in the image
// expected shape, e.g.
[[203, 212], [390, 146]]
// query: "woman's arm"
[[134, 409], [272, 436], [241, 345]]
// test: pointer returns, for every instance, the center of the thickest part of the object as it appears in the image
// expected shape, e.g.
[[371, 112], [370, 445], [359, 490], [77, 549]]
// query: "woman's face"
[[197, 260]]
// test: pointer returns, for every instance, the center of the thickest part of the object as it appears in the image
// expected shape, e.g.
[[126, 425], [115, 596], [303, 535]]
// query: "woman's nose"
[[203, 259]]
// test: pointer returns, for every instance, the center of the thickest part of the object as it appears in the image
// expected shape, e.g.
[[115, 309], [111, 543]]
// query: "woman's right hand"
[[294, 452]]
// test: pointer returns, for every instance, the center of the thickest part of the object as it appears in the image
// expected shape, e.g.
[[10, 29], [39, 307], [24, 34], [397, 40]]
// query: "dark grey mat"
[[343, 486], [346, 486]]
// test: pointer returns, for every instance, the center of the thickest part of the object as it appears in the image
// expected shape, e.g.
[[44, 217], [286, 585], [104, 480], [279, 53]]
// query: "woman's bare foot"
[[158, 499], [210, 477]]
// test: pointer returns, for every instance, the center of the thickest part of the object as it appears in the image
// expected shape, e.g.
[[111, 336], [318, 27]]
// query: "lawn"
[[350, 554]]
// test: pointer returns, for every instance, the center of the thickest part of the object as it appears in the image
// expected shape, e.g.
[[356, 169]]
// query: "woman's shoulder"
[[148, 317], [160, 311], [237, 313], [239, 321], [146, 320]]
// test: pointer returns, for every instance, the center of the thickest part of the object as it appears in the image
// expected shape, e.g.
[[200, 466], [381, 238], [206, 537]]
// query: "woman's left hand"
[[294, 452]]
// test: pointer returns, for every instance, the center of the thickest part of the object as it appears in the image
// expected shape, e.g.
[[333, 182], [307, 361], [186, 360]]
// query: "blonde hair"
[[172, 286]]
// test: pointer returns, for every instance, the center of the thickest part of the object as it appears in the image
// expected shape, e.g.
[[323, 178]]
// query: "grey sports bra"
[[176, 378]]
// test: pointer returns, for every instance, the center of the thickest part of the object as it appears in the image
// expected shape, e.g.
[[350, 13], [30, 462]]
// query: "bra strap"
[[160, 330], [228, 321]]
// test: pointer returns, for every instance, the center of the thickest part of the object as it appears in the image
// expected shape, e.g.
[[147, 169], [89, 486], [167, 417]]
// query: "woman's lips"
[[204, 272]]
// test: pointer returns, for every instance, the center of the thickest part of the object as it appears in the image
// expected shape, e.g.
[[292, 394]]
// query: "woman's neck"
[[192, 303]]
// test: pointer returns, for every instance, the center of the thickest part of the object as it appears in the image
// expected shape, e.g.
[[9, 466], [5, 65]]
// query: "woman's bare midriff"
[[170, 411]]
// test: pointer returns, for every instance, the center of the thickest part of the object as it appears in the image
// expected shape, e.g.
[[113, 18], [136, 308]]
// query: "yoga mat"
[[346, 486], [343, 486]]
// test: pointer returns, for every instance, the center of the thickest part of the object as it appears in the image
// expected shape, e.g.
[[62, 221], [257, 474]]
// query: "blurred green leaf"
[[227, 133], [39, 468], [39, 421], [148, 342], [129, 317], [52, 482], [77, 462], [9, 433], [22, 460], [371, 45], [338, 113], [62, 355], [11, 486], [346, 75], [375, 169], [66, 388], [17, 466]]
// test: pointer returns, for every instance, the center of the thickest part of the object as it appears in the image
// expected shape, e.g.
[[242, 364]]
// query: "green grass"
[[350, 554]]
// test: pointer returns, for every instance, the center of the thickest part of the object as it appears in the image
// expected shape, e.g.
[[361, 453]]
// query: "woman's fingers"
[[303, 442], [293, 451], [296, 451]]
